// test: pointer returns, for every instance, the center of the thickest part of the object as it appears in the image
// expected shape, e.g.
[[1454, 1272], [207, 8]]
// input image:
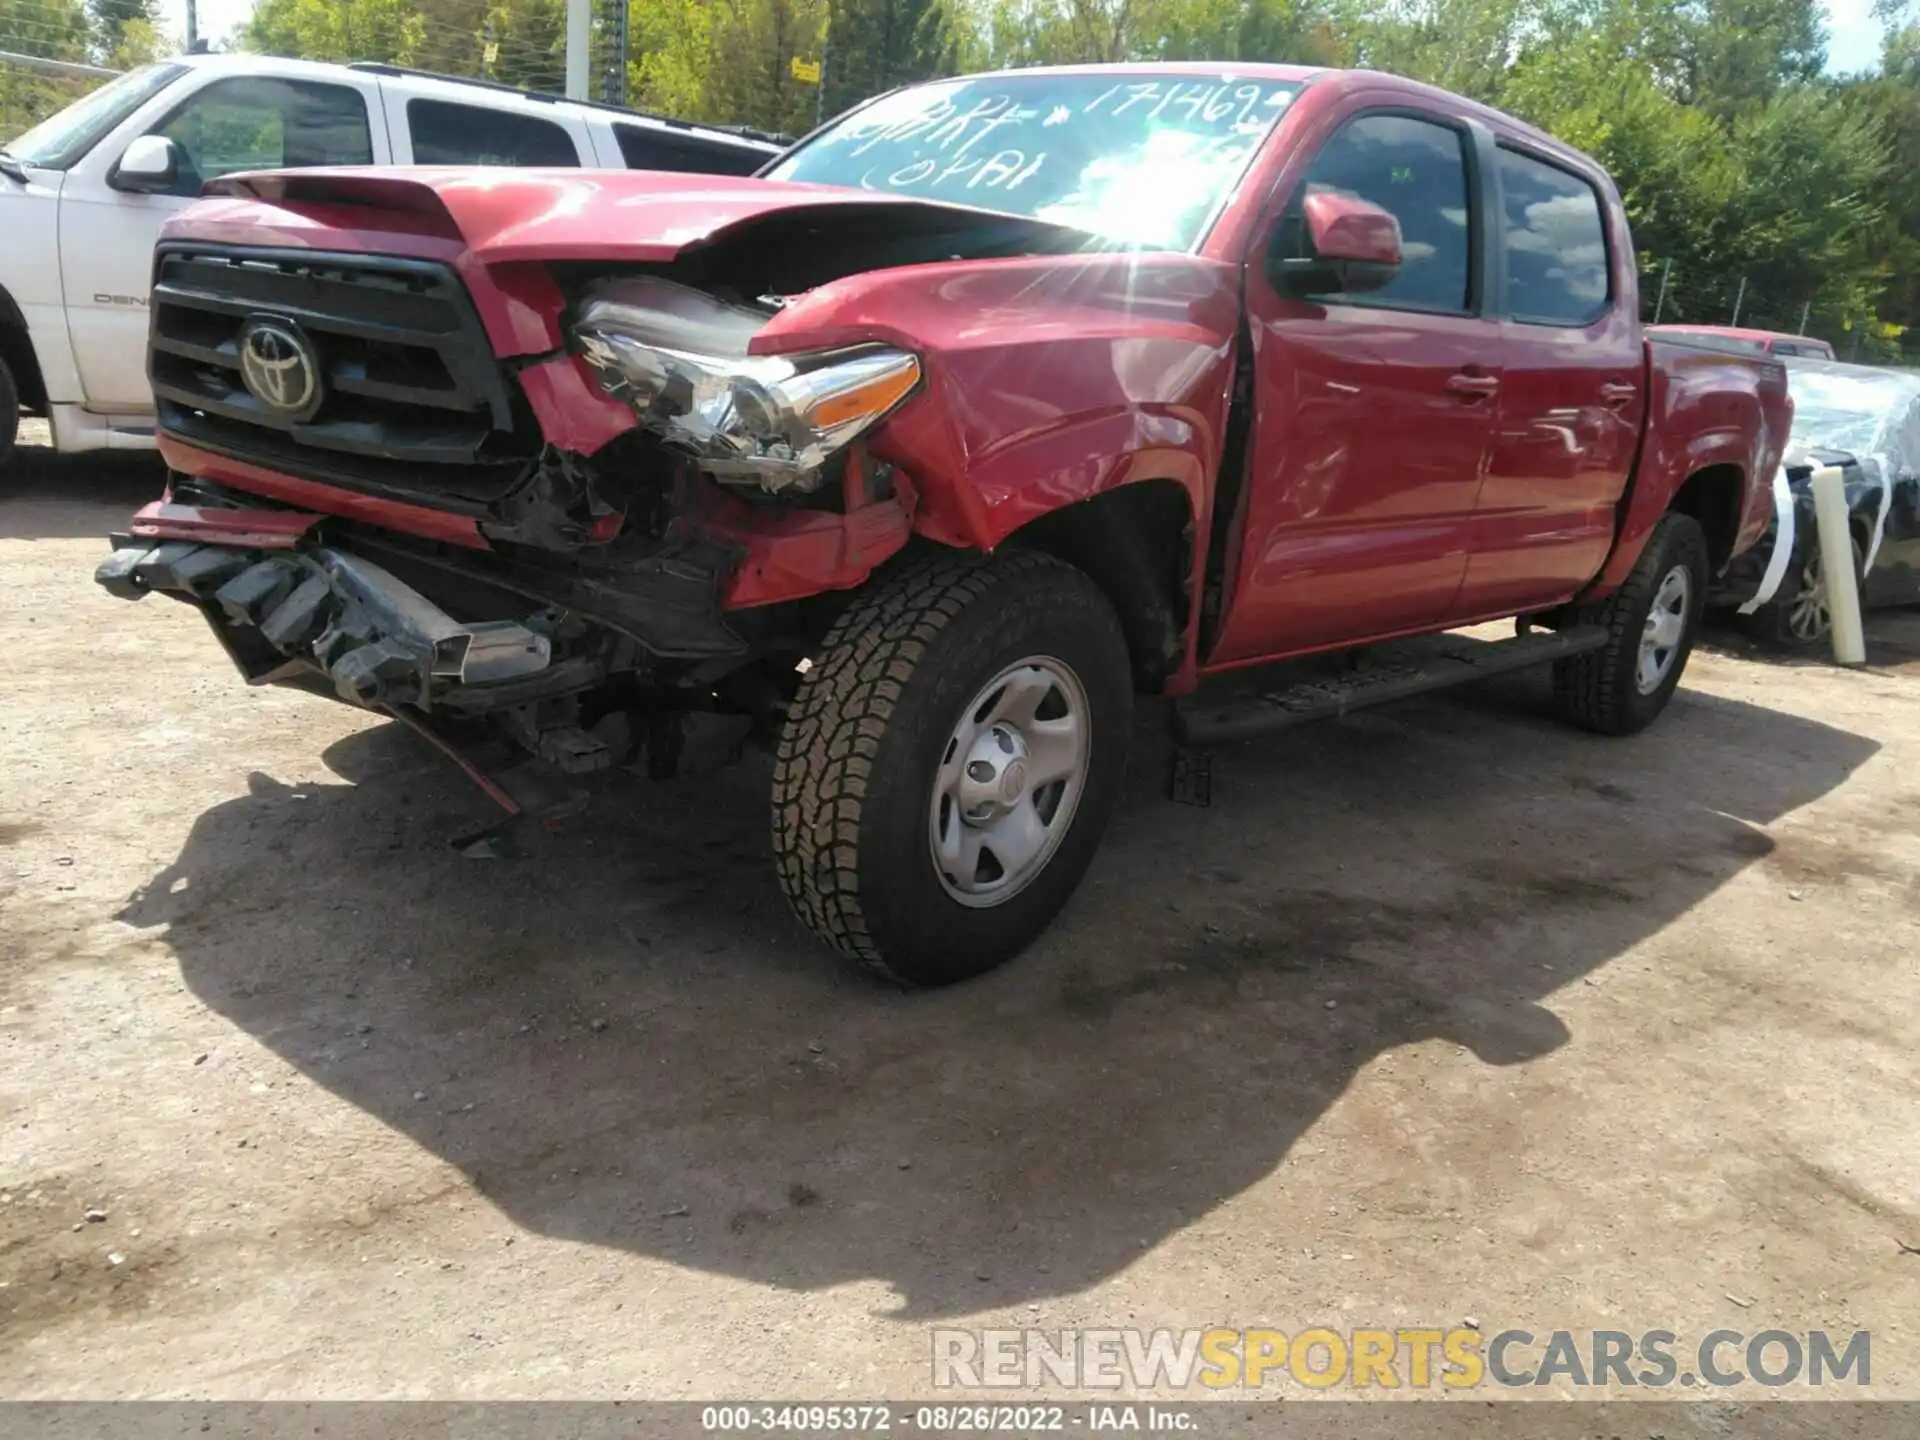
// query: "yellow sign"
[[805, 71], [492, 54]]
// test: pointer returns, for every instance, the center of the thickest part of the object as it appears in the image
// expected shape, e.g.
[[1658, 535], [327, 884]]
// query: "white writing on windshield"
[[949, 146]]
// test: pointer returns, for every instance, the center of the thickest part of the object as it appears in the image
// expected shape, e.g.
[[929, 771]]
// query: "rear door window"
[[445, 133], [1554, 242]]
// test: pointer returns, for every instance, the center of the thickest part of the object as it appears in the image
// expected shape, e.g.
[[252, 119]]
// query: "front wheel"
[[950, 762], [1651, 622]]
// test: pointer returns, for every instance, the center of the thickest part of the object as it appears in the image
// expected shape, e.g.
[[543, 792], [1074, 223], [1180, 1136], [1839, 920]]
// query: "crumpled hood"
[[636, 216]]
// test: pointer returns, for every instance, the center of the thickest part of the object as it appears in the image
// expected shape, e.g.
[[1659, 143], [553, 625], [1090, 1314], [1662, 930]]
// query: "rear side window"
[[1555, 243], [644, 148], [1416, 171], [449, 134]]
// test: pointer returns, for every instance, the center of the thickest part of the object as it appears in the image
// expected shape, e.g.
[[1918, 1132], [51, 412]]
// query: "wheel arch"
[[1714, 496], [22, 361], [1136, 543]]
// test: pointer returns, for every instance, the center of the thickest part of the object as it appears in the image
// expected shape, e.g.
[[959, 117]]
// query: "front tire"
[[1651, 624], [950, 761]]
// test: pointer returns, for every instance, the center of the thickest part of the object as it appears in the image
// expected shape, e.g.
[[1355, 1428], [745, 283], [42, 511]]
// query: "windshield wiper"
[[13, 169]]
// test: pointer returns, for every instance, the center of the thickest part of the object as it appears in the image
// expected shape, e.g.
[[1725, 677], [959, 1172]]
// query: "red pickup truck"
[[995, 403]]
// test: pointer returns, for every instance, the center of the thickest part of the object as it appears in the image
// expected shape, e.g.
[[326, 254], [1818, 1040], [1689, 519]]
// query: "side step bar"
[[1455, 660]]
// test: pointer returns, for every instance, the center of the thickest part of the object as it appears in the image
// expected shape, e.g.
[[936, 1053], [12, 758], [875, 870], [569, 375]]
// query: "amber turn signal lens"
[[870, 397]]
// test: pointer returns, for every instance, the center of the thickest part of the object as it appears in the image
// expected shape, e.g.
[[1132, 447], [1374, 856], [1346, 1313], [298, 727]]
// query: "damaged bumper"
[[281, 610]]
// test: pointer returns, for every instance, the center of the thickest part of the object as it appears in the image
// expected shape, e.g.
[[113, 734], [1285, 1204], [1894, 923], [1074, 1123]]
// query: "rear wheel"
[[1651, 622], [949, 763]]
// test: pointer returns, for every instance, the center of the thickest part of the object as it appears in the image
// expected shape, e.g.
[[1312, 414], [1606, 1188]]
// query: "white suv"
[[84, 193]]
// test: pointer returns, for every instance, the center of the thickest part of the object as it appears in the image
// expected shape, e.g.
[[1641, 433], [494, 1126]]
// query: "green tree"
[[750, 76], [669, 45], [1466, 46], [874, 45], [388, 31], [51, 30], [1740, 53], [112, 18]]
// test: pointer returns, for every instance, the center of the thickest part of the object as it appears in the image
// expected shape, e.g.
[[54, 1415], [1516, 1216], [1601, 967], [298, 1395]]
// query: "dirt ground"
[[1442, 1012]]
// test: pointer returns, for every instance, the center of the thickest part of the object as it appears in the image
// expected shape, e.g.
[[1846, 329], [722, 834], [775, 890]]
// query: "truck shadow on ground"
[[626, 1041]]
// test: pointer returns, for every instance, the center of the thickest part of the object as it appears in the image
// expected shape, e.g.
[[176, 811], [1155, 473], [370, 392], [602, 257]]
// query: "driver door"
[[1373, 413], [107, 235]]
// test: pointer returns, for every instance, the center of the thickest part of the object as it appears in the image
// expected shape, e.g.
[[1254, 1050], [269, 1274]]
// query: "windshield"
[[62, 138], [1144, 161]]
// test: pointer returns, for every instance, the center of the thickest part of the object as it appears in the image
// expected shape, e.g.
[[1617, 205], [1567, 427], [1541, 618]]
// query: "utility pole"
[[1659, 305], [579, 42], [193, 25], [1738, 300], [1805, 311], [820, 90]]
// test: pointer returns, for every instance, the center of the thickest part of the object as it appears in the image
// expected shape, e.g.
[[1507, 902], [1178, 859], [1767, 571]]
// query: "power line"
[[58, 67]]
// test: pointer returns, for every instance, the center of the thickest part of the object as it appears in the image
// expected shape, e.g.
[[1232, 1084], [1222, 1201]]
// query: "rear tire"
[[1651, 621], [950, 761], [9, 414]]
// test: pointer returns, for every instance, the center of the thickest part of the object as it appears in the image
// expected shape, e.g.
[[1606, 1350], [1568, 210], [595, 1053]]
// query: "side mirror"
[[150, 166], [1354, 245]]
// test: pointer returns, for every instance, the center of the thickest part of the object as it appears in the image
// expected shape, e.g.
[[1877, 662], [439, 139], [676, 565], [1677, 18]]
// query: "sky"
[[1853, 35]]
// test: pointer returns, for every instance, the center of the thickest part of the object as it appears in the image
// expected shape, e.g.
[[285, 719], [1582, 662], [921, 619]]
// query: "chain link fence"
[[1671, 296], [32, 88]]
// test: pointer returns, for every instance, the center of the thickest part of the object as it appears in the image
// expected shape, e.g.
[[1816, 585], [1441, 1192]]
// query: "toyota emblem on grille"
[[279, 367]]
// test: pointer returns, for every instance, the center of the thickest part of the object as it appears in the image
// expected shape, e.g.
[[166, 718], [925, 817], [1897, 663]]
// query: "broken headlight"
[[679, 359]]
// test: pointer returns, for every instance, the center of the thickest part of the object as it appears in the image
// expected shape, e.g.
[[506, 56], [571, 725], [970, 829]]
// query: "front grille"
[[414, 402]]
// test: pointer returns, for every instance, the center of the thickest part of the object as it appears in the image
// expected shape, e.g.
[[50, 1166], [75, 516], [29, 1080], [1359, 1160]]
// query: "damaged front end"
[[454, 642], [566, 493], [679, 359], [378, 641]]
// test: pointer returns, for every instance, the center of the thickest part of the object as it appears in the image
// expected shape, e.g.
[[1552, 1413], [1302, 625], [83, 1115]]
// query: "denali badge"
[[279, 367]]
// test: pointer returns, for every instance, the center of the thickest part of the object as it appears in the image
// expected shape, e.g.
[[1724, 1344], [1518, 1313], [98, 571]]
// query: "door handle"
[[1617, 393], [1473, 387]]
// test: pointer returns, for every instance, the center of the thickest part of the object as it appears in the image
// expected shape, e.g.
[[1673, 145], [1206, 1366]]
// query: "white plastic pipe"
[[579, 26], [1836, 565]]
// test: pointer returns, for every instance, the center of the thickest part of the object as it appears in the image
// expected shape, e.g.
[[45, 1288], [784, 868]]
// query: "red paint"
[[1406, 470], [1048, 380], [418, 520], [1571, 405], [573, 411], [506, 215], [213, 525], [801, 553], [1345, 227], [1702, 412], [1769, 342]]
